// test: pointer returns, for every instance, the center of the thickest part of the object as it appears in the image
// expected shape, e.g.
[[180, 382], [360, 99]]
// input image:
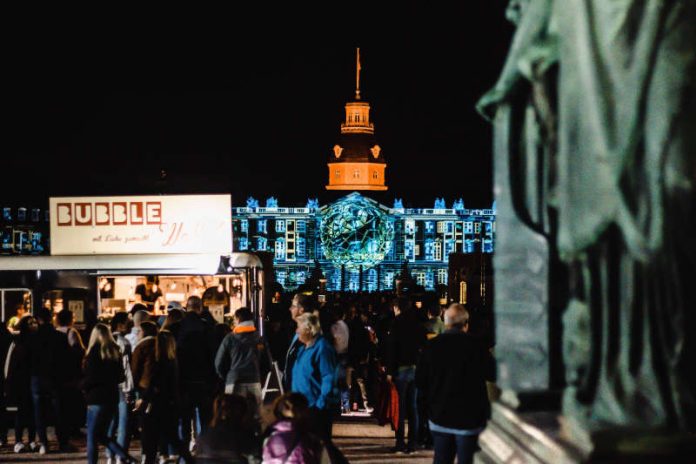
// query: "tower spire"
[[357, 75], [357, 162]]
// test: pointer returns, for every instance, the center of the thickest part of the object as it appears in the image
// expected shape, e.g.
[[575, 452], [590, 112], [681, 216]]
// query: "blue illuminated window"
[[442, 276], [469, 245], [300, 277], [371, 280], [429, 249], [353, 280], [429, 279], [279, 250], [388, 281], [409, 226], [437, 251], [281, 276], [409, 251], [301, 247], [449, 246]]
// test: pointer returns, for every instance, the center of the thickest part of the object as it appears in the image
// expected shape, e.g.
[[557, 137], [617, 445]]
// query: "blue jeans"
[[406, 386], [448, 444], [341, 380], [98, 418], [119, 425]]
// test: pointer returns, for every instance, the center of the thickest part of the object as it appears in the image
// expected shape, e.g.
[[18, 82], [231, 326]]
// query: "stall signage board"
[[179, 224]]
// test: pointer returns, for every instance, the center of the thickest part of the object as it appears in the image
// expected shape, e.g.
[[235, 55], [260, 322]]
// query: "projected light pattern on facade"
[[355, 233], [425, 237]]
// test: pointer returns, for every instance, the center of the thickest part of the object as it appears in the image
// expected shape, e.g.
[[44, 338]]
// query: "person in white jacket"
[[119, 425]]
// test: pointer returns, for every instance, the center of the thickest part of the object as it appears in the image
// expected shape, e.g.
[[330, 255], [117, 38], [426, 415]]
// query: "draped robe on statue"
[[615, 139], [625, 196]]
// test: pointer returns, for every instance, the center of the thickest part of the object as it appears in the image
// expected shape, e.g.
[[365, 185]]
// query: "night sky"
[[254, 114]]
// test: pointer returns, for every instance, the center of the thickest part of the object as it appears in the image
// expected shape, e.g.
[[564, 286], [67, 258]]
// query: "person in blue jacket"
[[314, 373]]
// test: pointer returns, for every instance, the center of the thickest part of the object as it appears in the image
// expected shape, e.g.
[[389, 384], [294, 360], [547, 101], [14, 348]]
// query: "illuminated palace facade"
[[359, 243], [374, 255]]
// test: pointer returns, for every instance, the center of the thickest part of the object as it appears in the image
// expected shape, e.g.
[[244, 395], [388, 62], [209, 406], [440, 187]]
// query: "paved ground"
[[360, 439]]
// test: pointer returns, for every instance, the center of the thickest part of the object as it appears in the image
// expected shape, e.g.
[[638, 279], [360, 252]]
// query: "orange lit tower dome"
[[357, 162]]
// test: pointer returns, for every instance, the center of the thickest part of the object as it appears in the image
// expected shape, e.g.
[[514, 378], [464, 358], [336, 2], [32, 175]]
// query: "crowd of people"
[[350, 350], [190, 388]]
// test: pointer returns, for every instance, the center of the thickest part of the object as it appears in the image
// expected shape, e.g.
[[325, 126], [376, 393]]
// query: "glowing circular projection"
[[354, 232]]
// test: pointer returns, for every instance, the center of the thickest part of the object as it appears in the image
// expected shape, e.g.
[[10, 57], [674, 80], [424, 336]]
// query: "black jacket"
[[164, 389], [194, 349], [290, 359], [358, 342], [237, 359], [17, 384], [49, 355], [406, 340], [5, 342], [452, 372], [101, 378]]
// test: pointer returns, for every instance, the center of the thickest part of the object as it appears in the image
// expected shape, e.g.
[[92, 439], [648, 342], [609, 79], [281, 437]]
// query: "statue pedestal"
[[524, 437], [545, 437]]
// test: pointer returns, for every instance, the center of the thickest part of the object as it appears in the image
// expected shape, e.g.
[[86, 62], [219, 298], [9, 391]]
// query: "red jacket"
[[387, 404]]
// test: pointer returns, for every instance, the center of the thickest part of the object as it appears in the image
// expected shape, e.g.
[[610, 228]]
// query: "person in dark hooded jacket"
[[237, 360]]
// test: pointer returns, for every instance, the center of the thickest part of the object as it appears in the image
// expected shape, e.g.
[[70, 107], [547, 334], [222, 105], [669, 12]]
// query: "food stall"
[[104, 249]]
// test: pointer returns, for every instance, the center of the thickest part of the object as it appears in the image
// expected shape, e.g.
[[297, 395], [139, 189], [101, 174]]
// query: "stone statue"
[[606, 173], [625, 192], [527, 307]]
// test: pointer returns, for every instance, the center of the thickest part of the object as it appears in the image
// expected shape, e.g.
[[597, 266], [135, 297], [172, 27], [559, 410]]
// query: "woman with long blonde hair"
[[103, 372], [102, 339]]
